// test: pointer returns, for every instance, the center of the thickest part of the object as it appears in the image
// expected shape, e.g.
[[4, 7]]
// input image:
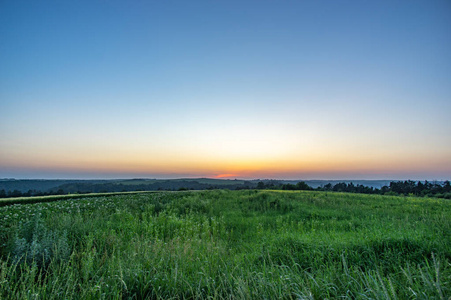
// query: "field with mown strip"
[[227, 244]]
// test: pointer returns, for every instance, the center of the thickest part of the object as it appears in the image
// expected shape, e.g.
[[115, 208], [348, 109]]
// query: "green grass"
[[227, 244], [50, 198]]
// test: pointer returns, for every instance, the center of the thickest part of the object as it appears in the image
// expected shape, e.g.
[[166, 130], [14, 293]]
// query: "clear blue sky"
[[248, 89]]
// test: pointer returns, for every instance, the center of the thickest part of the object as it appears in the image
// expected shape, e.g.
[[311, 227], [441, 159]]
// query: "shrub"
[[33, 242]]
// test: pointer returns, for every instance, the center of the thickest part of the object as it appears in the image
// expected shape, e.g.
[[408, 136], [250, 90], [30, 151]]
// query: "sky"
[[286, 89]]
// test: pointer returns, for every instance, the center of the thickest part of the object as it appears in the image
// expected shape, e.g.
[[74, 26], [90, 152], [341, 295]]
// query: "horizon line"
[[213, 178]]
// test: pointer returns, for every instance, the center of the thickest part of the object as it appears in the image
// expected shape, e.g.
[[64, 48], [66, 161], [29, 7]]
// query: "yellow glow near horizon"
[[248, 150], [227, 165]]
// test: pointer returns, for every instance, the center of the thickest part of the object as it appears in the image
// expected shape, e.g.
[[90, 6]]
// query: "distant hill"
[[118, 185], [72, 186], [42, 185]]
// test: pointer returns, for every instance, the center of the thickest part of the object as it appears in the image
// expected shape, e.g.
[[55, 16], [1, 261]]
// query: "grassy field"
[[50, 198], [227, 244]]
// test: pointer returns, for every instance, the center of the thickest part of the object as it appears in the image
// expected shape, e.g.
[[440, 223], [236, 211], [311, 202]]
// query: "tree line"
[[408, 187], [111, 187], [405, 188]]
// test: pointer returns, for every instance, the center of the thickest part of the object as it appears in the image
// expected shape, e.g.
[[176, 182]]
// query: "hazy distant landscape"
[[24, 185], [10, 188]]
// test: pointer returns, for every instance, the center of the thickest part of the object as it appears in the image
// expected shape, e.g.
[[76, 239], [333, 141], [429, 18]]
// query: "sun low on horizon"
[[225, 89]]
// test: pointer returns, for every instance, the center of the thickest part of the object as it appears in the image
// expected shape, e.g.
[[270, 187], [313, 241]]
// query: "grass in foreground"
[[227, 244]]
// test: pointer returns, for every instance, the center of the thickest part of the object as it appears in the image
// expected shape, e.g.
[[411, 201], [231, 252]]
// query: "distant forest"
[[17, 188], [406, 188]]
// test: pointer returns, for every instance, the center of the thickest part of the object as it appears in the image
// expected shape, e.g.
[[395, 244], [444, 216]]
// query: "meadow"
[[224, 244]]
